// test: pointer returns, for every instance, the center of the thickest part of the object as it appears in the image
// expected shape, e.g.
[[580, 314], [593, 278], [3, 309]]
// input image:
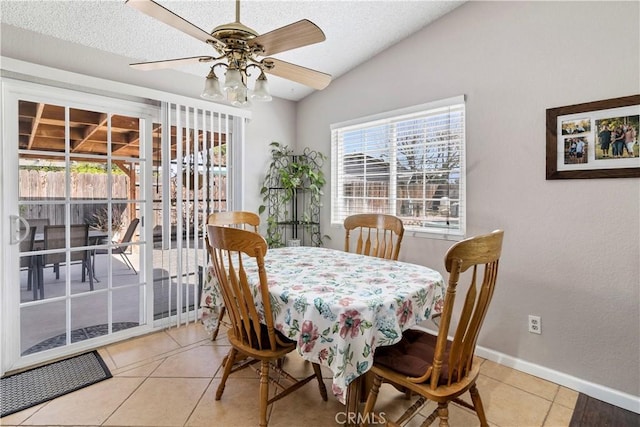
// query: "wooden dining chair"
[[380, 235], [238, 219], [434, 367], [252, 334]]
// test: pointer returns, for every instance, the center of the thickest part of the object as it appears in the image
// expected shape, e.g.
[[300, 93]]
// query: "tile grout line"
[[124, 401], [204, 392], [162, 358], [527, 391], [544, 421], [106, 350], [157, 357]]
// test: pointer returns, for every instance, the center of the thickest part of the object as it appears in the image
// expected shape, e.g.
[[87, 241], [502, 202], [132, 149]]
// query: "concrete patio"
[[43, 325]]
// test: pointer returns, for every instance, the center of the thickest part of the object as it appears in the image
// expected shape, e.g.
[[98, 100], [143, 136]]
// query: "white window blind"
[[408, 163]]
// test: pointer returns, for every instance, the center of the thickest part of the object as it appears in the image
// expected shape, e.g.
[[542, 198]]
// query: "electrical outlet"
[[534, 324]]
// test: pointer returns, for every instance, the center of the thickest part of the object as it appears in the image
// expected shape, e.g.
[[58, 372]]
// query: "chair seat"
[[264, 337], [442, 393], [258, 353], [413, 355]]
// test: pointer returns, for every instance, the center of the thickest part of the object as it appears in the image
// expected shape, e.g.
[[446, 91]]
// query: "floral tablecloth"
[[340, 306]]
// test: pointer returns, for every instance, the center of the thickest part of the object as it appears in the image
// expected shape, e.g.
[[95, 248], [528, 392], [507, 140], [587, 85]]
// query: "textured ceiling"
[[355, 30]]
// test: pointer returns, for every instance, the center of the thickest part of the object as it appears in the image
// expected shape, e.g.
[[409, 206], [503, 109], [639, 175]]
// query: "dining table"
[[339, 306], [95, 237]]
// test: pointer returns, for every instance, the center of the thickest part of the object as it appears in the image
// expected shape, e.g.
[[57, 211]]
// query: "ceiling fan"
[[239, 49]]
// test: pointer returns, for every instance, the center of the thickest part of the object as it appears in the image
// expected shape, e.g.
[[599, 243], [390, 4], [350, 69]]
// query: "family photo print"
[[594, 140]]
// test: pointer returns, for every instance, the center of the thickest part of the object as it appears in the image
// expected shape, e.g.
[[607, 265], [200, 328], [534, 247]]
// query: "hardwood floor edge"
[[591, 412]]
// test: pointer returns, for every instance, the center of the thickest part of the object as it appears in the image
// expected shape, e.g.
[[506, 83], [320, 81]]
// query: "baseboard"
[[597, 391]]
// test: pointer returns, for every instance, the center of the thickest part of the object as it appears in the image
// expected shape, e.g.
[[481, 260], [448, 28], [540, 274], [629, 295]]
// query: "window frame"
[[389, 120]]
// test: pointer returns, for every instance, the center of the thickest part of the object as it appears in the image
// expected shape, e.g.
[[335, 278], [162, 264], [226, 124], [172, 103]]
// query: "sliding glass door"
[[74, 169], [104, 212]]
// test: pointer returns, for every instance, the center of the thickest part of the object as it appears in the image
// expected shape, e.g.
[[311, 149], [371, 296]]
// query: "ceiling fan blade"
[[296, 73], [169, 63], [154, 10], [298, 34]]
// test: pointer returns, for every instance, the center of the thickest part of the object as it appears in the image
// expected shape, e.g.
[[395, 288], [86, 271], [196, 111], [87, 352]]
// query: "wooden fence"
[[49, 186], [414, 200], [89, 193]]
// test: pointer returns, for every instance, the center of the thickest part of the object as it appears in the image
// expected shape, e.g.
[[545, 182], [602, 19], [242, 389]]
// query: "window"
[[408, 163]]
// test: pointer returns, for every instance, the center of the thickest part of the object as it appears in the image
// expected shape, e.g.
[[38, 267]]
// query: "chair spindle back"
[[240, 219], [380, 235], [230, 248], [481, 254]]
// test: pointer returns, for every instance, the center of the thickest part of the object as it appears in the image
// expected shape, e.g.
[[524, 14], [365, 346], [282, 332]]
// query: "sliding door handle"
[[16, 234]]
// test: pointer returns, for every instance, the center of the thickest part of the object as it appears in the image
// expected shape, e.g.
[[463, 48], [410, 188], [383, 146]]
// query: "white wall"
[[572, 248], [273, 121]]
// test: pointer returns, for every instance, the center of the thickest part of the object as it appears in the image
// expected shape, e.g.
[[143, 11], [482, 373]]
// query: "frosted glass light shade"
[[212, 89], [233, 79], [261, 90], [238, 97]]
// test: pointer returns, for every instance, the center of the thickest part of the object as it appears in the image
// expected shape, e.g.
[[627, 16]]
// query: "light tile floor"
[[169, 378]]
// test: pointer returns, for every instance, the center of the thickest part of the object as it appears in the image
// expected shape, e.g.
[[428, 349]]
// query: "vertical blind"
[[199, 161], [408, 163]]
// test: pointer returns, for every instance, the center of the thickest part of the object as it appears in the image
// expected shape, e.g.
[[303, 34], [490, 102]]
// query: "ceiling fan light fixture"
[[233, 79], [242, 48], [238, 97], [261, 90], [212, 89]]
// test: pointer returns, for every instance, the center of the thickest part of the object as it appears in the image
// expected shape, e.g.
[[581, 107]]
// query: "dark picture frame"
[[577, 147]]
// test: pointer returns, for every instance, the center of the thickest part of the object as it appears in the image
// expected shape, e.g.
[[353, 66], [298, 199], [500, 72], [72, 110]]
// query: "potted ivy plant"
[[287, 175]]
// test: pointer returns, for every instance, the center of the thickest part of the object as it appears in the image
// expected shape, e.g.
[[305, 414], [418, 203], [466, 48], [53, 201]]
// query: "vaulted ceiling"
[[355, 30]]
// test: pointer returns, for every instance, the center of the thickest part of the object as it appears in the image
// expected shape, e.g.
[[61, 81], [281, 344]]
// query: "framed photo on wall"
[[597, 139]]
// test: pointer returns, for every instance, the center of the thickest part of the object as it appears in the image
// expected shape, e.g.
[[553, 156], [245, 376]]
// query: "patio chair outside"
[[122, 250], [28, 262], [55, 238], [39, 223]]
